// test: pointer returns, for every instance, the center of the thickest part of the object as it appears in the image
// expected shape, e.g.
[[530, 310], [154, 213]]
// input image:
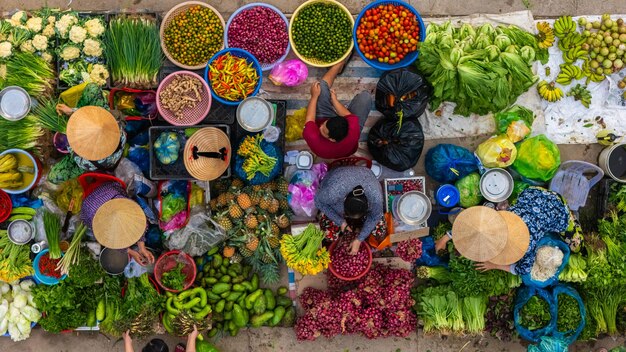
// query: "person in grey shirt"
[[351, 196]]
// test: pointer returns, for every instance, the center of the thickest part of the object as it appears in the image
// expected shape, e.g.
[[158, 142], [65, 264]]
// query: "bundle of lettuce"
[[483, 69]]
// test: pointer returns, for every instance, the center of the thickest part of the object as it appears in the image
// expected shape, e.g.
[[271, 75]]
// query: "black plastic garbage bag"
[[396, 147], [402, 94]]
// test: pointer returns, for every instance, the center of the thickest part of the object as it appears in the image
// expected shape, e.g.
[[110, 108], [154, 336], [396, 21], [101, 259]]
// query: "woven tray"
[[171, 14], [177, 170]]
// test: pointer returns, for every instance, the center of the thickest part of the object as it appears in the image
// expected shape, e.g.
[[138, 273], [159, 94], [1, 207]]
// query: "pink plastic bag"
[[302, 189], [289, 73]]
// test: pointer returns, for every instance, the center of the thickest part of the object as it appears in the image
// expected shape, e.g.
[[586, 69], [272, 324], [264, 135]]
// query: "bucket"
[[447, 196], [496, 185], [113, 261], [612, 161]]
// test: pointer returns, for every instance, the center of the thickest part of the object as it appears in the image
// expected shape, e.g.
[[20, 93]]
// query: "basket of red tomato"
[[387, 34]]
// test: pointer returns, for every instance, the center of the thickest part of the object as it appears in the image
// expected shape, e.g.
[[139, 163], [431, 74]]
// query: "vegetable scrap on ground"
[[65, 180]]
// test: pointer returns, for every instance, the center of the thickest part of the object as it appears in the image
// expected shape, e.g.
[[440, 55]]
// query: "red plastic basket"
[[193, 115], [168, 261], [369, 265], [5, 205], [92, 180]]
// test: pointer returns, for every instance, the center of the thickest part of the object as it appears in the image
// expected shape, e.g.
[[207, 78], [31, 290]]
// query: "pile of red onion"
[[377, 305], [260, 31], [409, 250], [346, 264]]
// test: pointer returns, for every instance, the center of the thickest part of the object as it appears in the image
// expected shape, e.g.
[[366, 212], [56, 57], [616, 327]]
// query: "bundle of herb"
[[22, 134], [46, 114], [52, 225], [175, 278], [568, 316], [535, 314], [30, 72]]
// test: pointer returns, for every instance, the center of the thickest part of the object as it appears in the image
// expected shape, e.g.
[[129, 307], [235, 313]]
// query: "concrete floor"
[[281, 339]]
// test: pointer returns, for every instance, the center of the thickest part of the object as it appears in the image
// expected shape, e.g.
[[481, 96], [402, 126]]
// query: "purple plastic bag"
[[289, 73], [302, 188]]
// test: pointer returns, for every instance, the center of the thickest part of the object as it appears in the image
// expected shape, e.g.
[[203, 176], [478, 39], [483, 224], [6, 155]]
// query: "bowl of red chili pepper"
[[46, 269], [233, 75]]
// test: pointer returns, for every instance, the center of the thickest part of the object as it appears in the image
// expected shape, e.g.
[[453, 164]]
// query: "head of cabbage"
[[469, 188]]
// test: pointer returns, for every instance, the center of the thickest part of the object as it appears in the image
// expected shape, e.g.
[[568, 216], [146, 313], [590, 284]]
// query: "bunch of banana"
[[568, 73], [563, 26], [571, 41], [574, 53], [549, 92], [582, 94], [8, 162], [545, 37], [591, 74]]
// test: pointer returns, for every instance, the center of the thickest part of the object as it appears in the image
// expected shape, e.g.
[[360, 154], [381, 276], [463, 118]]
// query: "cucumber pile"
[[236, 299]]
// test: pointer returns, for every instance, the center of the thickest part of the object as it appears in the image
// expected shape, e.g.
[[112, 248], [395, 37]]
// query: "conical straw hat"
[[479, 233], [93, 133], [208, 139], [119, 223], [518, 240]]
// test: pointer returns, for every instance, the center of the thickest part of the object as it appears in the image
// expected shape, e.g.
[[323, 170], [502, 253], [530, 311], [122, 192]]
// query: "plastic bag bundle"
[[396, 147], [295, 125], [552, 241], [402, 94], [302, 188], [289, 73], [538, 158], [515, 122], [497, 151], [173, 204], [550, 344], [571, 335], [200, 234], [446, 163], [524, 294]]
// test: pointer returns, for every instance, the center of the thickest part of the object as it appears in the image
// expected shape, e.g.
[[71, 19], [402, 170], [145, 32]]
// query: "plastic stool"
[[571, 182]]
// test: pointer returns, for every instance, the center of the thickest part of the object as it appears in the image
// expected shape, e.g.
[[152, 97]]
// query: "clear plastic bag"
[[289, 73], [200, 234]]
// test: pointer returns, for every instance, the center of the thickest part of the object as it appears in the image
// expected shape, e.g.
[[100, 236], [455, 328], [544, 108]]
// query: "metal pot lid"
[[413, 208], [496, 185], [254, 114], [14, 103]]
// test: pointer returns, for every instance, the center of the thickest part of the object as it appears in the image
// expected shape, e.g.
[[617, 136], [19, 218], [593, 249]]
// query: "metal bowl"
[[25, 225], [15, 103], [412, 208], [255, 114]]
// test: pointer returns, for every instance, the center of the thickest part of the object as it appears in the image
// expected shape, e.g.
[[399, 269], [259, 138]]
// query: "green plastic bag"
[[538, 158], [515, 122], [469, 187]]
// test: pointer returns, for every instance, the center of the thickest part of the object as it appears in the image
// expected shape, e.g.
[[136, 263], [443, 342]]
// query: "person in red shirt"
[[331, 130]]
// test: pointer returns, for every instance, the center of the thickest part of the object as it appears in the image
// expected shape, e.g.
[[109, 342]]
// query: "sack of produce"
[[396, 147], [290, 73], [571, 313], [550, 344], [446, 163], [515, 122], [538, 158], [497, 151], [402, 93], [551, 257], [534, 313], [469, 187], [295, 125]]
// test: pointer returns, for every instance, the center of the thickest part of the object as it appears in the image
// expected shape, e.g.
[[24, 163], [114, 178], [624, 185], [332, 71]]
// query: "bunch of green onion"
[[52, 225], [133, 50], [21, 134], [30, 72], [48, 117], [72, 255]]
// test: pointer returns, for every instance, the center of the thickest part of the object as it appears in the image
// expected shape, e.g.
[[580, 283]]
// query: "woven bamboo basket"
[[208, 139], [182, 7]]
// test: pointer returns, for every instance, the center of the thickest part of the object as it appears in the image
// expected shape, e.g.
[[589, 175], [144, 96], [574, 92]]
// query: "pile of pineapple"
[[254, 218]]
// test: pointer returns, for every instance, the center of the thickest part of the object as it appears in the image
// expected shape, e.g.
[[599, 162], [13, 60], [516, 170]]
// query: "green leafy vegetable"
[[467, 281], [474, 309], [568, 317], [175, 278], [535, 314]]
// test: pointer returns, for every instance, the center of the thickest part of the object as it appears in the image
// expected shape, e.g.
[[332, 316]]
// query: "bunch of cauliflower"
[[28, 32]]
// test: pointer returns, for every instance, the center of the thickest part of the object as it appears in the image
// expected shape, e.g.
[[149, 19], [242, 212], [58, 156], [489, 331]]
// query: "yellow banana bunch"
[[545, 37], [568, 73], [549, 92], [571, 40], [563, 26], [8, 162], [582, 94]]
